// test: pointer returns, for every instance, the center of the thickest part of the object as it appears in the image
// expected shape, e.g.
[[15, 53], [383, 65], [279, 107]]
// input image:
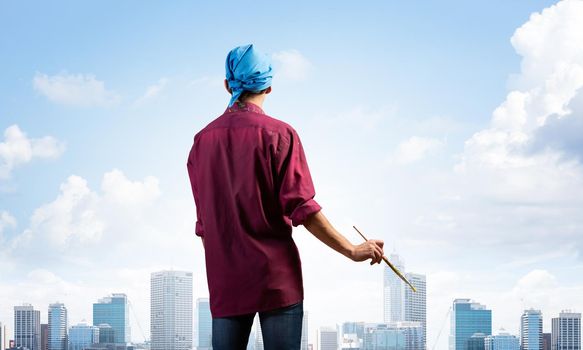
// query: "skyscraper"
[[327, 338], [82, 336], [57, 327], [205, 324], [258, 334], [400, 303], [106, 334], [304, 342], [531, 330], [502, 341], [2, 336], [44, 336], [27, 327], [393, 291], [546, 341], [171, 310], [114, 310], [468, 318], [476, 342], [402, 335], [566, 331], [415, 303]]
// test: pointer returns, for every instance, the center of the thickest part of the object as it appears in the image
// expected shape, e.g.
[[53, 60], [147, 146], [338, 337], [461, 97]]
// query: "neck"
[[256, 100]]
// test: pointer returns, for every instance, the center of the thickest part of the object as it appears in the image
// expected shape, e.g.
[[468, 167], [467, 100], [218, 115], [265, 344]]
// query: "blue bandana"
[[247, 70]]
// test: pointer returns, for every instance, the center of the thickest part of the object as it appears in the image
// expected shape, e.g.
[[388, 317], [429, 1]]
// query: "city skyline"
[[451, 130], [471, 324]]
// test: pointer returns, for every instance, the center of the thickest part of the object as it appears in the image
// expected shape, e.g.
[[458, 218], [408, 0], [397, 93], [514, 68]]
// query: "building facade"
[[57, 327], [171, 310], [304, 341], [502, 341], [393, 336], [27, 327], [83, 336], [393, 291], [476, 341], [114, 310], [44, 336], [400, 303], [531, 330], [546, 341], [468, 318], [204, 324], [566, 331], [415, 303], [327, 338]]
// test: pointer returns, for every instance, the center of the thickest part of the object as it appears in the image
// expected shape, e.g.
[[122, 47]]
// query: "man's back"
[[251, 182]]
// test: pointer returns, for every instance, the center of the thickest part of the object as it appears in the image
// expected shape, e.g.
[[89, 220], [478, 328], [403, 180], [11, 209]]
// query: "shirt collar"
[[244, 107]]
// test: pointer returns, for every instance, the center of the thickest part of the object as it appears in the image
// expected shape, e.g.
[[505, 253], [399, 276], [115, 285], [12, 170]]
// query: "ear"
[[227, 87], [268, 90]]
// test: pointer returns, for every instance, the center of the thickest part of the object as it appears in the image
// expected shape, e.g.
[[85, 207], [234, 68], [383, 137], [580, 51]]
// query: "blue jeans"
[[281, 328]]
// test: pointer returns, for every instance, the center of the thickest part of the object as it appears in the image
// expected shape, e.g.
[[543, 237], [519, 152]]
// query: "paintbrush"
[[395, 270]]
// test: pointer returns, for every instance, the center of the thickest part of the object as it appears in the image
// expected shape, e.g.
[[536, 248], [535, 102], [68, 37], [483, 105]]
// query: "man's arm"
[[320, 227]]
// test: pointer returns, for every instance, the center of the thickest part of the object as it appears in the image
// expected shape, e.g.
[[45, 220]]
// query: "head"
[[248, 74]]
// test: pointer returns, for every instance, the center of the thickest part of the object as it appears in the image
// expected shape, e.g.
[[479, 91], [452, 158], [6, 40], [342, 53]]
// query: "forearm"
[[320, 227]]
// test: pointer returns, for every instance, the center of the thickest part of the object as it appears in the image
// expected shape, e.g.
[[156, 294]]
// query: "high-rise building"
[[531, 330], [82, 336], [2, 336], [114, 310], [44, 336], [546, 341], [393, 291], [476, 341], [57, 327], [258, 334], [106, 334], [327, 338], [468, 318], [353, 330], [27, 327], [171, 310], [415, 303], [403, 335], [400, 303], [502, 341], [566, 331], [205, 324], [304, 341]]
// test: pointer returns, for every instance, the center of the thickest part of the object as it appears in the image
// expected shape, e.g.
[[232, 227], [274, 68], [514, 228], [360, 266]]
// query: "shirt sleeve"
[[199, 230], [296, 192]]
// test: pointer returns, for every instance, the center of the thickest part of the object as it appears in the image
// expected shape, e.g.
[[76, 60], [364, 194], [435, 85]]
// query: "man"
[[251, 183]]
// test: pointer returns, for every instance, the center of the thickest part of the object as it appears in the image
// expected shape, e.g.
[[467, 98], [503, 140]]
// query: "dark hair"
[[247, 94]]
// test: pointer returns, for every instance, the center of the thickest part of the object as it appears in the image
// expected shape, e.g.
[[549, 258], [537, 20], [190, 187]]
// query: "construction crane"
[[441, 329]]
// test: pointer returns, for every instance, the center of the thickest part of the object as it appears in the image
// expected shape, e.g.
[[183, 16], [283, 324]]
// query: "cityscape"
[[450, 130], [180, 323]]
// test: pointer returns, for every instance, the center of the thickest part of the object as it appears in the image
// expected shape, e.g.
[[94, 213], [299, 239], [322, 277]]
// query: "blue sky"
[[418, 121]]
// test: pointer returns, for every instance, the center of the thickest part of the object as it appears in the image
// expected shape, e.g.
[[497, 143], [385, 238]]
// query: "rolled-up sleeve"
[[296, 192]]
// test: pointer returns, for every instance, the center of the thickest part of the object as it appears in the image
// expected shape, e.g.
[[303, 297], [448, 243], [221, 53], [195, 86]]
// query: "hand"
[[371, 249]]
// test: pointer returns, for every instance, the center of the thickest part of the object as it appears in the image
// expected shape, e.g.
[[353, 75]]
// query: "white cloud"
[[416, 148], [500, 158], [291, 65], [118, 189], [6, 221], [18, 149], [82, 90], [152, 91], [79, 218]]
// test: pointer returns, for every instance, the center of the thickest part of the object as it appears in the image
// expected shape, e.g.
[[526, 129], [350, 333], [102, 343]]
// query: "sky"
[[451, 130]]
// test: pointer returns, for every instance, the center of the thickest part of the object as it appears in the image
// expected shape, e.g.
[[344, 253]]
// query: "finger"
[[378, 242], [379, 253]]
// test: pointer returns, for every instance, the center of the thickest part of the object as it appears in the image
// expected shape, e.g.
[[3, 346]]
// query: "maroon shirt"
[[251, 183]]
